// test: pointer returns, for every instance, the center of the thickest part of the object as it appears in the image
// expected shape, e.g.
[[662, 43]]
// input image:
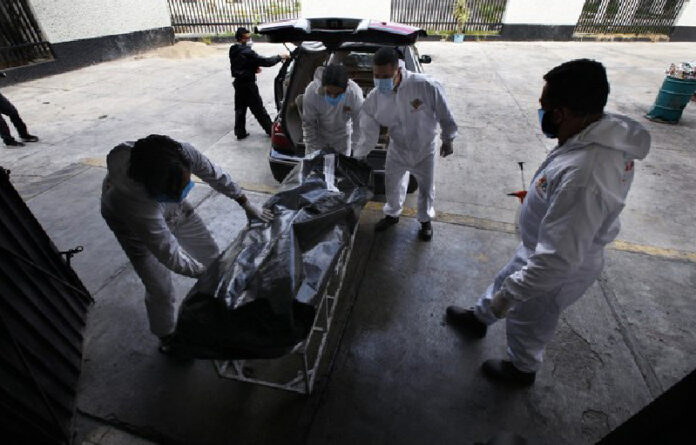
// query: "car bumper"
[[285, 159]]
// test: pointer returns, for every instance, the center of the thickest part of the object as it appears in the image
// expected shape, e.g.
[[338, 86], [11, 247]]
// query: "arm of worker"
[[448, 127], [575, 215], [355, 101], [369, 128], [265, 61], [220, 181], [310, 121], [152, 229]]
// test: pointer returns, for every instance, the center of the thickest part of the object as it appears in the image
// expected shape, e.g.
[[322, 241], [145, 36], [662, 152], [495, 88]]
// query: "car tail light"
[[278, 138]]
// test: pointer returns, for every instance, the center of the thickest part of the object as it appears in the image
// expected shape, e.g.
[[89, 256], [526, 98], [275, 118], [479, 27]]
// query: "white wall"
[[362, 9], [66, 20], [543, 12], [688, 14]]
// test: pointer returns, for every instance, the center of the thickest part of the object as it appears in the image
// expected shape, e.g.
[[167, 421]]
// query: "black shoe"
[[385, 223], [465, 320], [242, 136], [30, 138], [504, 371], [13, 143], [426, 231], [165, 346]]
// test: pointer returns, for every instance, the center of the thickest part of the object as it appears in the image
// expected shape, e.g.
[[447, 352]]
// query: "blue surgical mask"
[[547, 127], [184, 193], [384, 86], [333, 101]]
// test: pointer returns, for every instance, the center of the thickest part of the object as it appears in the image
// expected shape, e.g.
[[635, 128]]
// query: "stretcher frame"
[[307, 363]]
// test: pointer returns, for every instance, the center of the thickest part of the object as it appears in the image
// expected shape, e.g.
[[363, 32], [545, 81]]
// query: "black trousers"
[[9, 110], [246, 95]]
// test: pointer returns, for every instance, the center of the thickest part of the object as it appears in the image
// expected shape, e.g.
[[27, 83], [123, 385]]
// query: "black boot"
[[30, 138], [465, 320], [504, 371], [242, 136], [426, 231], [13, 143], [385, 223]]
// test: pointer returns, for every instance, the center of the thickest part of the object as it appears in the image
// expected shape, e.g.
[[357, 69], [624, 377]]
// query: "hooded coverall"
[[570, 213], [159, 237], [411, 114], [328, 126]]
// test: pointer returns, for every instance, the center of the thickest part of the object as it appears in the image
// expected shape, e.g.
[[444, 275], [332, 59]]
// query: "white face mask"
[[249, 43]]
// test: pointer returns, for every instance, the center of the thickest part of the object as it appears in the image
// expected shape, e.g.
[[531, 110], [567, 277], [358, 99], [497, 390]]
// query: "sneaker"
[[503, 371], [385, 223], [426, 231], [242, 136], [13, 143], [465, 320], [30, 138]]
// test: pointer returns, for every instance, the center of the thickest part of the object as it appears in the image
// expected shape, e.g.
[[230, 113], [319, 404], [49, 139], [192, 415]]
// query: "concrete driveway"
[[397, 373]]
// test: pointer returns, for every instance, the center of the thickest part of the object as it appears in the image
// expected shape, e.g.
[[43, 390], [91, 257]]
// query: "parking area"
[[396, 373]]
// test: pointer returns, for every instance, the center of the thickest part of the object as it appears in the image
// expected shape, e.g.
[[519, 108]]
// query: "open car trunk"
[[332, 32]]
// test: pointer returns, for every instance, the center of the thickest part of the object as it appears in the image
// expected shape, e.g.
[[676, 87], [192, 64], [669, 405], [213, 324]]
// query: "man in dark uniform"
[[10, 111], [245, 63]]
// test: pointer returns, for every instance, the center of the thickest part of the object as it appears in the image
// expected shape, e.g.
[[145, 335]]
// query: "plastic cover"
[[259, 298]]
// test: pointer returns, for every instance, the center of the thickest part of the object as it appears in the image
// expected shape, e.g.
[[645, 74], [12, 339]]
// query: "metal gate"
[[21, 40], [485, 16], [224, 16], [628, 16], [43, 306]]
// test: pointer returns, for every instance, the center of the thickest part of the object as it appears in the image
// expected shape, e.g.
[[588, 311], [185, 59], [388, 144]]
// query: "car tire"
[[279, 171]]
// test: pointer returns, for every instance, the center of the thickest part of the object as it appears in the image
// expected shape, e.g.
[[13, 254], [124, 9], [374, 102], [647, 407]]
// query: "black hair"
[[386, 55], [580, 85], [335, 75], [239, 34], [158, 163]]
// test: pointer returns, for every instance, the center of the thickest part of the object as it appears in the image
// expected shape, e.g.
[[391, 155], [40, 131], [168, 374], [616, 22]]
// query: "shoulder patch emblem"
[[541, 184]]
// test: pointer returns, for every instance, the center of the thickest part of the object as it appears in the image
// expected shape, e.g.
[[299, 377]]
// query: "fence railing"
[[224, 16], [485, 16], [628, 16], [21, 41]]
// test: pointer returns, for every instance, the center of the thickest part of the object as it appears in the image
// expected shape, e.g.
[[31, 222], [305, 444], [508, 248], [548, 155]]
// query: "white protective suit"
[[327, 126], [159, 237], [411, 114], [570, 213]]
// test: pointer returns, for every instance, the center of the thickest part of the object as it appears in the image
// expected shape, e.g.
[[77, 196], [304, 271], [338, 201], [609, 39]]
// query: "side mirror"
[[425, 59]]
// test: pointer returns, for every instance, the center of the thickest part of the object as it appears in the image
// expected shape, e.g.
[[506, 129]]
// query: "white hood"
[[619, 133]]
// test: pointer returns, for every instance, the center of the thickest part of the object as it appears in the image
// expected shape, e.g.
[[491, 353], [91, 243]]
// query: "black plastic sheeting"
[[259, 298]]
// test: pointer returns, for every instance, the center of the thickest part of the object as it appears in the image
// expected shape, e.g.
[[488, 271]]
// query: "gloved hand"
[[500, 304], [254, 213], [446, 149]]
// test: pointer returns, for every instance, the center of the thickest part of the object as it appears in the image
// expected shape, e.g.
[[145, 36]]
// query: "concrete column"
[[69, 20], [685, 28], [540, 19], [363, 9]]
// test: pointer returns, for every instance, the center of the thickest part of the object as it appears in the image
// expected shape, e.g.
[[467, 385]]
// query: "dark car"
[[349, 42]]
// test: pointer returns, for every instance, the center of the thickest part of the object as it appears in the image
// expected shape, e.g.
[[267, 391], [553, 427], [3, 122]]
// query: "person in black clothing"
[[10, 111], [245, 63]]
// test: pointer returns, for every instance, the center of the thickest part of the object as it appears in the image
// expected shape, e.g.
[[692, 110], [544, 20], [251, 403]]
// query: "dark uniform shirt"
[[244, 62]]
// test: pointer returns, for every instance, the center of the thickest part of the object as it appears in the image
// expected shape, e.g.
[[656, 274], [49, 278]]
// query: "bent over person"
[[331, 111], [144, 203], [569, 215]]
